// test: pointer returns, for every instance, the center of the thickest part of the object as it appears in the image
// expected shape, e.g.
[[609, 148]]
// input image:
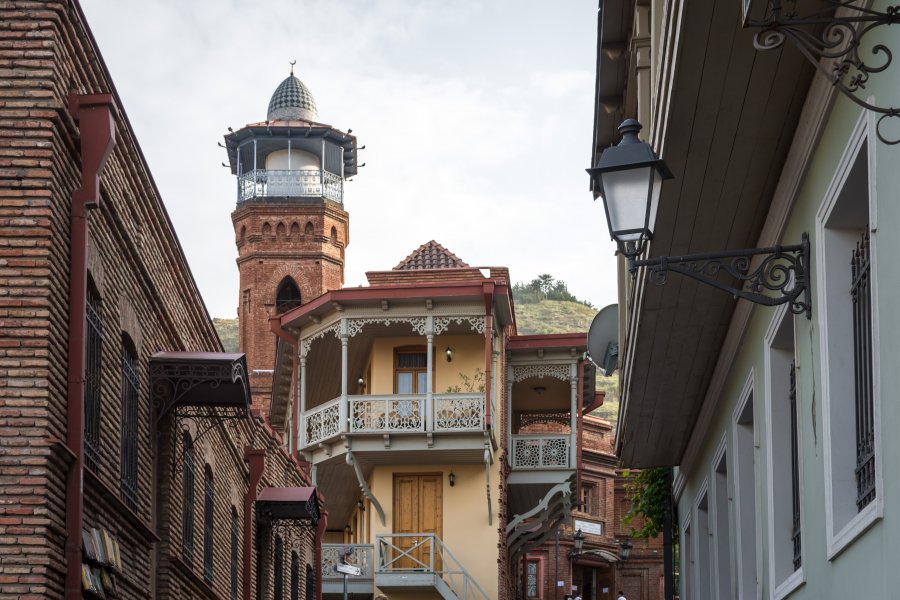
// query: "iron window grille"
[[861, 295], [208, 520], [93, 369], [278, 563], [795, 471], [187, 507], [234, 555], [531, 579], [130, 389], [295, 576]]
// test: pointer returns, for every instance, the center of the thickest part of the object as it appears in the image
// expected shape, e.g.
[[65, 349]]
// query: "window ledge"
[[857, 526], [790, 584]]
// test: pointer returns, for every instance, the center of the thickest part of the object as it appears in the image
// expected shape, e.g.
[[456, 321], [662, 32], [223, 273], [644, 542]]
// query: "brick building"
[[598, 572], [130, 465]]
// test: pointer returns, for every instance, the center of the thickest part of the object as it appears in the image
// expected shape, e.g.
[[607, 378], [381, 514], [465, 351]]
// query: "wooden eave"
[[553, 341], [726, 120]]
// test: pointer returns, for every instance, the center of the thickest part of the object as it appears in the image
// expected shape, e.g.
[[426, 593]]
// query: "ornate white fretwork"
[[523, 372], [458, 412], [417, 323], [307, 342], [323, 423], [386, 414], [441, 323], [540, 452]]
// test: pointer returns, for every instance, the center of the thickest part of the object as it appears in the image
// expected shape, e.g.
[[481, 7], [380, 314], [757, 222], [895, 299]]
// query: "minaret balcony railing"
[[295, 183]]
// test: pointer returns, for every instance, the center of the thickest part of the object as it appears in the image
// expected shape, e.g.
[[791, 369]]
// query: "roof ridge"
[[431, 255]]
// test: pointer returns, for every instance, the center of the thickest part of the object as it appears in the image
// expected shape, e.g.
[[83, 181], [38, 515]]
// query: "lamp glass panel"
[[625, 194], [654, 200]]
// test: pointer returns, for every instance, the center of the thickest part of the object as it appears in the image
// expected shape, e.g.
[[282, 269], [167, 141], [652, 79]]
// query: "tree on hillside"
[[544, 287]]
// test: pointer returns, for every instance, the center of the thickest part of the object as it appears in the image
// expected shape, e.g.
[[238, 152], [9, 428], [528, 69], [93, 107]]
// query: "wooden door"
[[418, 509]]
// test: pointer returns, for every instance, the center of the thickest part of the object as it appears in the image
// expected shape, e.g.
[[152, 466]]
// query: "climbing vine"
[[650, 499]]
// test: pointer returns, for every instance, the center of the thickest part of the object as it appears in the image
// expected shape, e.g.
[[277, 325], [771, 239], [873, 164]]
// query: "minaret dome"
[[292, 101]]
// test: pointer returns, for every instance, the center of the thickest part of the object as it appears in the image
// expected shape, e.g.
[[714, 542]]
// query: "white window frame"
[[841, 536], [687, 557], [702, 537], [780, 589], [740, 544], [716, 503]]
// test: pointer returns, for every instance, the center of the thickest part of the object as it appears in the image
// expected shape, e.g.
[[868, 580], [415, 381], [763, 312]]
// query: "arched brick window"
[[130, 387], [310, 583], [287, 296], [243, 235], [334, 239], [208, 522], [267, 229], [281, 230], [295, 576], [93, 354], [309, 229], [187, 504], [234, 554], [295, 230], [278, 564]]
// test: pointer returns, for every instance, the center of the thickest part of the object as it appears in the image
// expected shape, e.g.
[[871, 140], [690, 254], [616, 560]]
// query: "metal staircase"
[[421, 562]]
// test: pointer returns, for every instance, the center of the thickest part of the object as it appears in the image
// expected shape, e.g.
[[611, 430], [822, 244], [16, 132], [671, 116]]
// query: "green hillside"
[[563, 316], [543, 317], [228, 333]]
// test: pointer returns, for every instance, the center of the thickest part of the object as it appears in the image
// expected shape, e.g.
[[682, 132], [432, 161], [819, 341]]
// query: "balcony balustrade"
[[541, 452], [363, 557], [395, 413], [295, 183]]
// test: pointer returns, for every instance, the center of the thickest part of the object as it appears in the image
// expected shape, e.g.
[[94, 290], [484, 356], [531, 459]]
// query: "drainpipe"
[[94, 115], [277, 329], [488, 292], [580, 432], [256, 459]]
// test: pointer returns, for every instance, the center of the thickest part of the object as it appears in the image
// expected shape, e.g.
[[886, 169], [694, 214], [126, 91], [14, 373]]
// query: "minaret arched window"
[[93, 354], [287, 296], [234, 554], [334, 239], [208, 521], [309, 229], [130, 387], [278, 564], [187, 504], [295, 230], [281, 230], [295, 576]]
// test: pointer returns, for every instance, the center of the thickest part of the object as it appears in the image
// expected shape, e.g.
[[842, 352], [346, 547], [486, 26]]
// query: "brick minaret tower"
[[290, 224]]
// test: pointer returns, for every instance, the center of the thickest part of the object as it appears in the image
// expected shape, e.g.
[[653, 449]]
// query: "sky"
[[476, 117]]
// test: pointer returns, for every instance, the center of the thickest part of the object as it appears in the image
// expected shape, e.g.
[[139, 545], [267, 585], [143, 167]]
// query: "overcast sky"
[[476, 118]]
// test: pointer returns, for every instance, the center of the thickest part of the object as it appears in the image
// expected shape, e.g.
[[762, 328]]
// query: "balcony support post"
[[429, 374], [509, 407], [573, 415], [345, 339], [301, 443]]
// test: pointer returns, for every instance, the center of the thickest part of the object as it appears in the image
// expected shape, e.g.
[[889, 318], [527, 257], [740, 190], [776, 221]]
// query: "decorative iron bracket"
[[784, 270], [825, 35]]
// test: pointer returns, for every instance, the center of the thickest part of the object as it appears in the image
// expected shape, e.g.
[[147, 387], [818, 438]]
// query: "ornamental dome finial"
[[292, 100]]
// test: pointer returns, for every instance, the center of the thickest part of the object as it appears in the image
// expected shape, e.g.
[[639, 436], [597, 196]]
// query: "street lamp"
[[629, 177], [577, 544], [625, 547]]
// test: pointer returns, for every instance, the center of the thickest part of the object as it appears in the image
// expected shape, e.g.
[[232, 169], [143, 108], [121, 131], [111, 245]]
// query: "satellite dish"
[[603, 339]]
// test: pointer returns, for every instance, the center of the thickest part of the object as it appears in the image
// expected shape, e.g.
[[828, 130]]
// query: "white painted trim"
[[863, 133], [713, 502], [695, 509], [678, 484], [790, 584], [740, 545], [686, 566], [793, 580]]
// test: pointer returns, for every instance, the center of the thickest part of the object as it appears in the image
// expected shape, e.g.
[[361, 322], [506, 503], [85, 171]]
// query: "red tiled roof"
[[431, 255]]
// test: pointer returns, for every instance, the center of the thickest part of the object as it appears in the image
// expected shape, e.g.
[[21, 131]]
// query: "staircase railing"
[[426, 553]]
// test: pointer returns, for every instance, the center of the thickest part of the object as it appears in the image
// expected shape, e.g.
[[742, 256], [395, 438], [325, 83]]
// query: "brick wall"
[[147, 293], [276, 241]]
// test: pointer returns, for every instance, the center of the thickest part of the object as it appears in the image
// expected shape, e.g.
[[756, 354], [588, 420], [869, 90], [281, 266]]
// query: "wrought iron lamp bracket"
[[783, 271], [839, 39]]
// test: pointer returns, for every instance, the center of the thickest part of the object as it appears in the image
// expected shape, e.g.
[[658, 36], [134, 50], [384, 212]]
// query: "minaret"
[[290, 225]]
